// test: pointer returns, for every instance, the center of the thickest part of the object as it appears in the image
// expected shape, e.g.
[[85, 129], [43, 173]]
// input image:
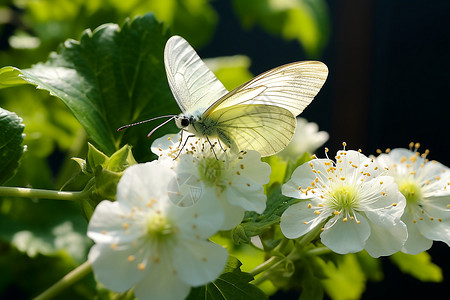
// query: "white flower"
[[425, 184], [145, 241], [357, 206], [235, 180], [307, 138]]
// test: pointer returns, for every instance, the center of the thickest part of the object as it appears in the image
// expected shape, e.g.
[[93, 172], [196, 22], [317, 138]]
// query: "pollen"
[[317, 212], [242, 167], [204, 259], [309, 205], [103, 231], [125, 225], [141, 267], [394, 204], [113, 246], [345, 219], [130, 258]]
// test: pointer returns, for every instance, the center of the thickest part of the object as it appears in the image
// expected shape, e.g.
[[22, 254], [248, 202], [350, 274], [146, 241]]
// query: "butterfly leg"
[[184, 144], [212, 147]]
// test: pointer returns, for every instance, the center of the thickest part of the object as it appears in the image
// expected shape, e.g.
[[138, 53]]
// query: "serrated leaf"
[[11, 148], [254, 224], [111, 77], [232, 284], [345, 280], [418, 266], [9, 76]]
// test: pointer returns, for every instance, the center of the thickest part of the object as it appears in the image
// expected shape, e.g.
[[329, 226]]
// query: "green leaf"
[[232, 284], [418, 266], [306, 21], [111, 77], [11, 148], [255, 224], [9, 76], [345, 280], [53, 226]]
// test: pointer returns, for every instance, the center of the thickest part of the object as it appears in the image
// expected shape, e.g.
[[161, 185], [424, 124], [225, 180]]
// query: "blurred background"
[[389, 64]]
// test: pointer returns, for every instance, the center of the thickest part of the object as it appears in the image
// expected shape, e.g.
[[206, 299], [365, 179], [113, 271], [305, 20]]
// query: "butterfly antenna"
[[159, 126], [145, 121]]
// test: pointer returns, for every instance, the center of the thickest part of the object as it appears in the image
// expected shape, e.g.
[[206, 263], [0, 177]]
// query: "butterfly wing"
[[264, 128], [193, 85], [292, 87]]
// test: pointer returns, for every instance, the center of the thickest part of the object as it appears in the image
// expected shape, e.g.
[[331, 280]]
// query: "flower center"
[[211, 170], [159, 227], [410, 190], [344, 198]]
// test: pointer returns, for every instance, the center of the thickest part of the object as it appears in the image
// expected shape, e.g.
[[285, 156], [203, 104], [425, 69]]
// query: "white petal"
[[386, 241], [246, 194], [233, 214], [346, 237], [416, 242], [385, 209], [167, 146], [198, 262], [203, 219], [110, 223], [251, 167], [298, 220], [141, 183], [114, 269], [161, 282], [434, 229], [302, 178]]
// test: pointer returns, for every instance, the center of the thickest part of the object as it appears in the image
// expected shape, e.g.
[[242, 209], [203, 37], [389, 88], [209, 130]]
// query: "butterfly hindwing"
[[264, 128], [193, 84]]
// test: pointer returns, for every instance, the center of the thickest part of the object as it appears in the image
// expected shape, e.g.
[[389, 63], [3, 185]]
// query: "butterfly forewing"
[[193, 85], [292, 87], [264, 128]]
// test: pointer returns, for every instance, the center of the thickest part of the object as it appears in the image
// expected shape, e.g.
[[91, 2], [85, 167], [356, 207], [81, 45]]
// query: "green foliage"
[[232, 284], [112, 77], [303, 20], [418, 266], [345, 280], [11, 148], [104, 173], [255, 224]]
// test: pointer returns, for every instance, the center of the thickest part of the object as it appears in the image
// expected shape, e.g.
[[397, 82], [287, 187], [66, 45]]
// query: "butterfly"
[[258, 115]]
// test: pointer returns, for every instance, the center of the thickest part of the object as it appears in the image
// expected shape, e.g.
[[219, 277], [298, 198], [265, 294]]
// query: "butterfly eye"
[[185, 122]]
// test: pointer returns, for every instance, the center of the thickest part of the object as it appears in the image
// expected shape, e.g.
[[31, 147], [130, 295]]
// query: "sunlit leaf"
[[418, 266], [11, 147], [346, 280], [111, 77], [304, 20]]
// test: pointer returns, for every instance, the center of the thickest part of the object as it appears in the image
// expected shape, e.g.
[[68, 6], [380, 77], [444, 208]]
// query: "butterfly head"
[[183, 121]]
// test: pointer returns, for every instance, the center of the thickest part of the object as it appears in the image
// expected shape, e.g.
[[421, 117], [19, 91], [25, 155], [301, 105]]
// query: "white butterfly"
[[259, 115]]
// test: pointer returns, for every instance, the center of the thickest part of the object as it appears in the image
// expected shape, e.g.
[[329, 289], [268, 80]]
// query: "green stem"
[[266, 265], [274, 260], [319, 251], [66, 281], [7, 191]]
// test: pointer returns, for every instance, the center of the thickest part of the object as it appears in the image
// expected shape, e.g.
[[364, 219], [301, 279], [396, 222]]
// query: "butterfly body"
[[258, 115]]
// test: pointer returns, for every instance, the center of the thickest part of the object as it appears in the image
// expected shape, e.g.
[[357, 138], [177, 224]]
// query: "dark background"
[[388, 85]]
